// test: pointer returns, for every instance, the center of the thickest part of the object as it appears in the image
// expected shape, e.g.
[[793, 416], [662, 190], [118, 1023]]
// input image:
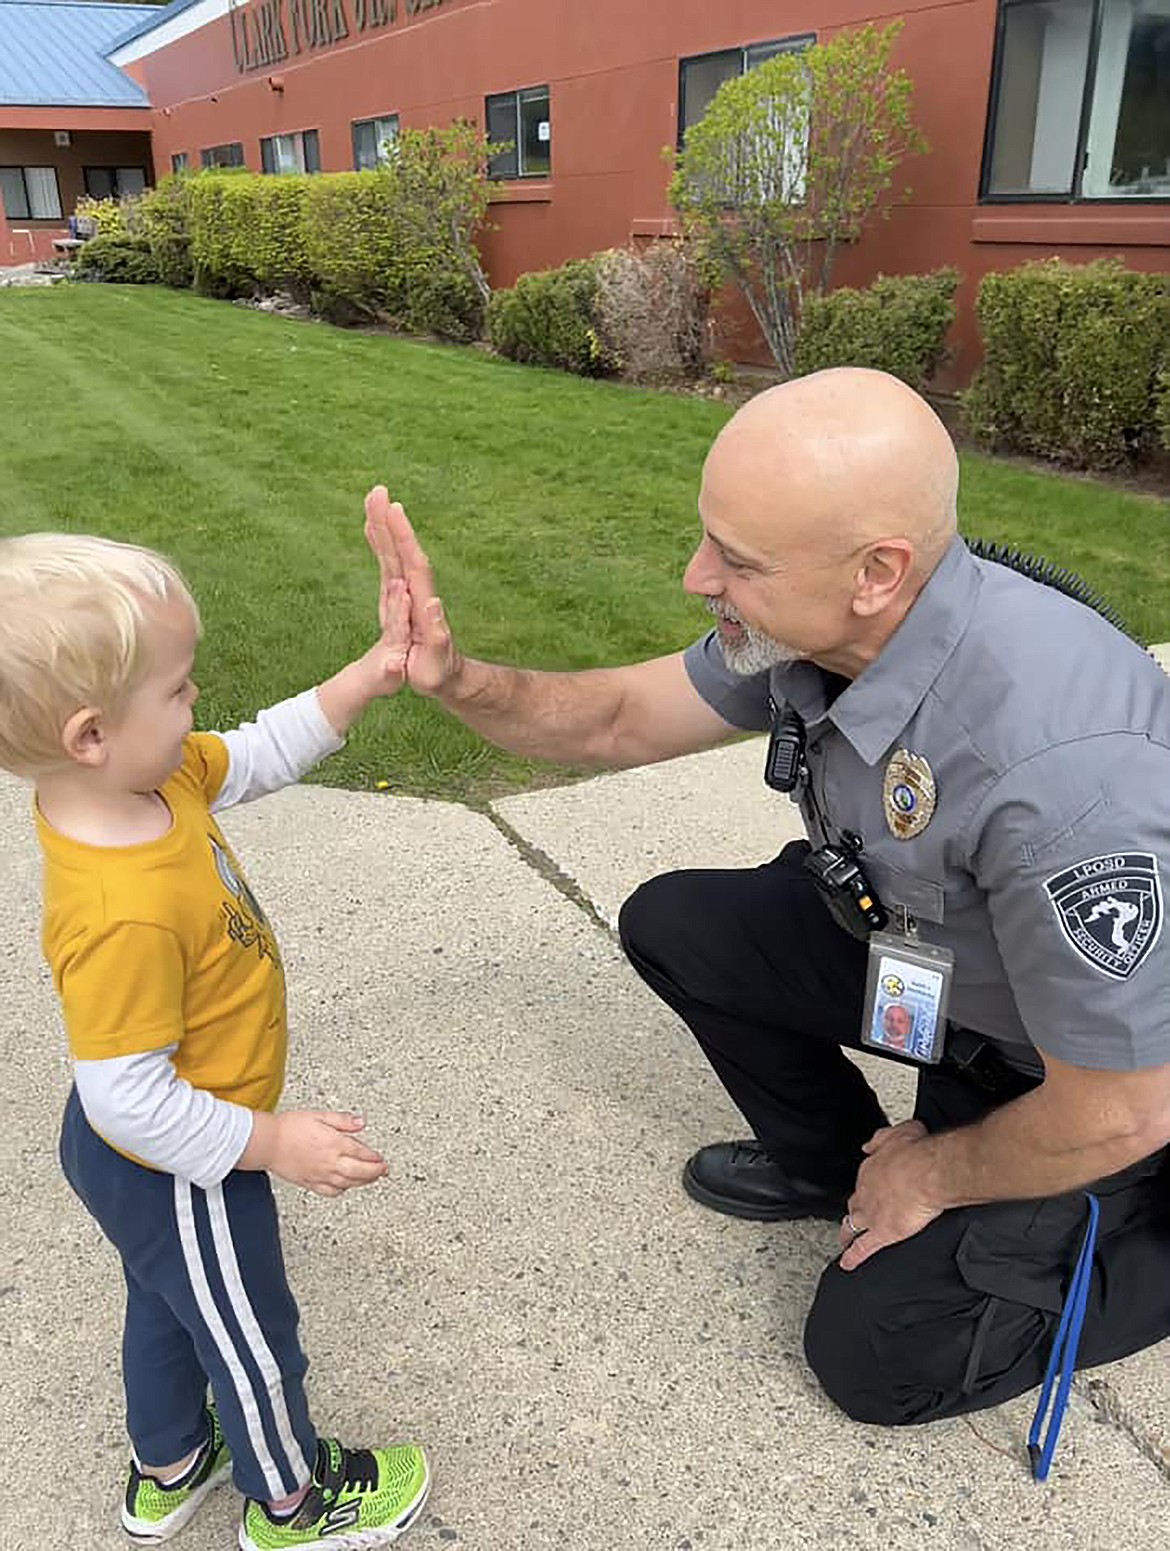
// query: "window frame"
[[1084, 124], [793, 43], [180, 162], [518, 176], [301, 136], [206, 152], [23, 170], [360, 123]]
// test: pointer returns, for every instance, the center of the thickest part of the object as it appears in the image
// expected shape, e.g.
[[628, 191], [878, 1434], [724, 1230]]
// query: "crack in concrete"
[[1112, 1409], [543, 864]]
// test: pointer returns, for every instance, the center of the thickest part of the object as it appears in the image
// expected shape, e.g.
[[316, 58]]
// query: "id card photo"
[[907, 1008]]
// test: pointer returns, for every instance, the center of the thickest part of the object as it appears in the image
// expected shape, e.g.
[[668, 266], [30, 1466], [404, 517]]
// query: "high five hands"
[[407, 587]]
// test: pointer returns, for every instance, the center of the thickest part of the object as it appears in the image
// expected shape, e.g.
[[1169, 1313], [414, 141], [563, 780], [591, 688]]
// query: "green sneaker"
[[358, 1499], [152, 1513]]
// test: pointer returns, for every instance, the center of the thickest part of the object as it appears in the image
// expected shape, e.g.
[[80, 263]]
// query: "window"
[[222, 155], [372, 139], [30, 193], [701, 77], [114, 182], [522, 119], [1080, 101], [291, 153], [179, 161]]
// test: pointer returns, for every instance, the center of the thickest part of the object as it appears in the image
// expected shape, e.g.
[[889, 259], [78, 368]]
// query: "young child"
[[173, 997]]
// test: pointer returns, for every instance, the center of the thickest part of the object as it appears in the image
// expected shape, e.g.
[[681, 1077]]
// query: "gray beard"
[[757, 652]]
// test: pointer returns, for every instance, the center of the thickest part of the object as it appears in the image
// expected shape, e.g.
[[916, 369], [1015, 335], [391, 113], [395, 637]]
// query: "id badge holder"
[[907, 989]]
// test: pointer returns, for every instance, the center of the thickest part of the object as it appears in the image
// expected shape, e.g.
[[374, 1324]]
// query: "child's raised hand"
[[315, 1149]]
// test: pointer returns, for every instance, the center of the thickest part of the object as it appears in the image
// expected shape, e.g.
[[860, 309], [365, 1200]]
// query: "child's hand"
[[432, 660], [316, 1149], [381, 671]]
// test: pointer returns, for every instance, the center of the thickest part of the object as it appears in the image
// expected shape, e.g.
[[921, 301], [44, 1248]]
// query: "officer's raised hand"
[[432, 661], [889, 1202]]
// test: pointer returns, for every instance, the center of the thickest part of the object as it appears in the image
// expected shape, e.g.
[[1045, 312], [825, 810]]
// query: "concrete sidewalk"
[[592, 1360]]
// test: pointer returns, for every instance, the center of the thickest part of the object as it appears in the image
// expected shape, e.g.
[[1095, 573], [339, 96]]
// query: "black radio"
[[784, 761]]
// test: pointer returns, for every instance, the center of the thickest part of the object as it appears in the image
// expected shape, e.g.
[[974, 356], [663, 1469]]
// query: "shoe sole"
[[144, 1533], [730, 1206], [362, 1539]]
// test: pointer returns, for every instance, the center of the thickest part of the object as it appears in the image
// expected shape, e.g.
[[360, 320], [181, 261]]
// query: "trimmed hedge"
[[898, 325], [396, 245], [118, 261], [1072, 360], [550, 318], [164, 214], [1164, 407]]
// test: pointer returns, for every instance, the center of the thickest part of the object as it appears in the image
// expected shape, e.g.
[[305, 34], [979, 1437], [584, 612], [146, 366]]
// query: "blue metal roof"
[[154, 17], [52, 54]]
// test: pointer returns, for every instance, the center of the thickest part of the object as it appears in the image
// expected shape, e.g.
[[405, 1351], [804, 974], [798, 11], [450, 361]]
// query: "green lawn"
[[559, 513]]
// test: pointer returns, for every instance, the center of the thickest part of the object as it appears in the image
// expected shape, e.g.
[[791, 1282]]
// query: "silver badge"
[[908, 795], [1110, 909]]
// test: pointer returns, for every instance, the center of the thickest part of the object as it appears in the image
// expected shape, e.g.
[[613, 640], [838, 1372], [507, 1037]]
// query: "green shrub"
[[165, 213], [441, 299], [550, 318], [118, 261], [111, 217], [355, 244], [1164, 407], [898, 325], [397, 244], [1072, 356], [219, 208], [268, 231]]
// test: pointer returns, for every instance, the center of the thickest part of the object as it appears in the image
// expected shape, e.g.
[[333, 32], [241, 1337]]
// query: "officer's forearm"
[[558, 716], [1039, 1145]]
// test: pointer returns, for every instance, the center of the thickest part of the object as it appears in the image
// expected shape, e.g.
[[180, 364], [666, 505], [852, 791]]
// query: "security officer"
[[983, 766]]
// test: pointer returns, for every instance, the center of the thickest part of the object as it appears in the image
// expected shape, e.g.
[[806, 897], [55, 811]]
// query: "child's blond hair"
[[72, 610]]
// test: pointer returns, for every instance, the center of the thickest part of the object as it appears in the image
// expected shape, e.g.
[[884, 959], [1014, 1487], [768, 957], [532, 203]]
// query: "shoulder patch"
[[1110, 909]]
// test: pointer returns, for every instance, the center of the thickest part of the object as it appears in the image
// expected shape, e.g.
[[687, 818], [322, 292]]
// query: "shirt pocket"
[[922, 897]]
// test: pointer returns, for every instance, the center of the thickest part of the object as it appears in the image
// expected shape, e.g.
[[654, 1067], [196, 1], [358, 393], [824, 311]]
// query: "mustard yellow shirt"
[[164, 944]]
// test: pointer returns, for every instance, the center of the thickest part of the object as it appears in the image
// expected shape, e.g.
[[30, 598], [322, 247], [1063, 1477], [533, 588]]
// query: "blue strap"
[[1063, 1360]]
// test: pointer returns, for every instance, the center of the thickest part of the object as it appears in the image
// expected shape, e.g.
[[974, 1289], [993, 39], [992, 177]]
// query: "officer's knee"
[[644, 921], [839, 1348]]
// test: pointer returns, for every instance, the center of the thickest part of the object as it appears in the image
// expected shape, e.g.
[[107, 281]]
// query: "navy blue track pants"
[[207, 1301]]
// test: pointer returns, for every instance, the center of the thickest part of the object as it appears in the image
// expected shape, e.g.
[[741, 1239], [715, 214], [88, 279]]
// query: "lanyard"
[[1063, 1359]]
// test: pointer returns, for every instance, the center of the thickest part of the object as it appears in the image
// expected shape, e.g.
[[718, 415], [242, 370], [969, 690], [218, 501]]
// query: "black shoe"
[[744, 1180]]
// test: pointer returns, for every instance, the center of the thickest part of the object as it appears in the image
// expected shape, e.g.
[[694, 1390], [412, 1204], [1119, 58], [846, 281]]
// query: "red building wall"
[[99, 137], [613, 73]]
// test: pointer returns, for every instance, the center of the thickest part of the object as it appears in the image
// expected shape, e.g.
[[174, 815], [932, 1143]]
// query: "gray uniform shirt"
[[1047, 732]]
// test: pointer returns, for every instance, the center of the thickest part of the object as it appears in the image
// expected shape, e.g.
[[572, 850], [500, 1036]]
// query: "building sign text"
[[267, 32]]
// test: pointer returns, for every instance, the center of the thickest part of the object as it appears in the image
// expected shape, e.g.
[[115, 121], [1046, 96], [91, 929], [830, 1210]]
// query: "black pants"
[[962, 1315]]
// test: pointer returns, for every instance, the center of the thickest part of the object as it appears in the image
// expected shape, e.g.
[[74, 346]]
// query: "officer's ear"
[[881, 571]]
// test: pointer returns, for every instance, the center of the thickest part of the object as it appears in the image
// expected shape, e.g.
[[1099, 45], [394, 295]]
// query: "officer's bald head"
[[839, 459], [826, 504]]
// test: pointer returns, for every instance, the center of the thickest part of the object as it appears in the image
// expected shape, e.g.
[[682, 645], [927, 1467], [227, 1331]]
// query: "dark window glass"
[[231, 155], [299, 152], [700, 78], [372, 138], [30, 193], [1081, 100], [114, 182], [502, 125], [522, 118], [535, 133]]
